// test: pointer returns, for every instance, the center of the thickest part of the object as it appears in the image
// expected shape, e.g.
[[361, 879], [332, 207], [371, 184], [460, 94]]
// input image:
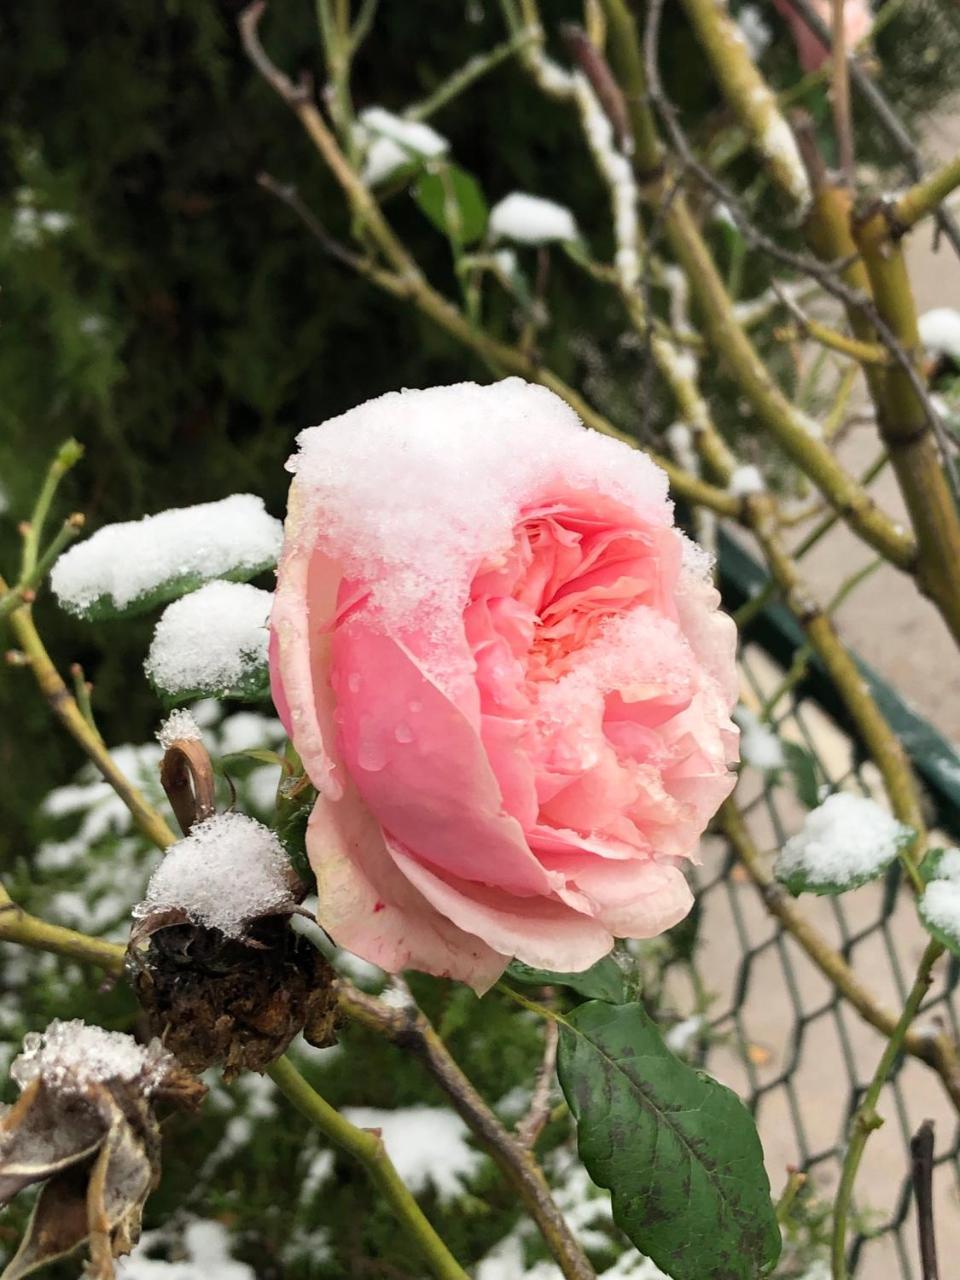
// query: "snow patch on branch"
[[392, 143], [527, 219]]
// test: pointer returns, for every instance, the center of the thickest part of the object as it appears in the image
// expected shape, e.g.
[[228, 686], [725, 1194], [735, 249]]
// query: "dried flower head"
[[85, 1126]]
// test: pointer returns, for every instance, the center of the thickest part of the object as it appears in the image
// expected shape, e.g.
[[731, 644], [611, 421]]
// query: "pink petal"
[[367, 906], [542, 932], [422, 769], [633, 899], [304, 602]]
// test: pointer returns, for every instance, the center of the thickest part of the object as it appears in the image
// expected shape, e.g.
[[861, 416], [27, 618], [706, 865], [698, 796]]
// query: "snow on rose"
[[506, 673]]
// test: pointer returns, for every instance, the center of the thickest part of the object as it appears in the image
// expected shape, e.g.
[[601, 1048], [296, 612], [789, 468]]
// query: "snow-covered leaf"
[[939, 904], [132, 567], [844, 842], [212, 643]]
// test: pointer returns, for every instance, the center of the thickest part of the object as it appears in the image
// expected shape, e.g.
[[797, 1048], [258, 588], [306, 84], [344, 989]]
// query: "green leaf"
[[105, 609], [939, 904], [296, 797], [252, 686], [454, 202], [802, 767], [930, 867], [602, 981], [678, 1151], [260, 754]]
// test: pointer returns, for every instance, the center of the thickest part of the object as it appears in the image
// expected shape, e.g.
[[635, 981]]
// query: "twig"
[[67, 456], [469, 74], [921, 1172], [410, 1029], [925, 197], [17, 925], [887, 117], [840, 83], [25, 590], [796, 1181], [866, 1119], [82, 689], [531, 1126], [366, 1146]]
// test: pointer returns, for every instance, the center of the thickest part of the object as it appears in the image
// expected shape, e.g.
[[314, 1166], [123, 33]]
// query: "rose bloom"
[[812, 52], [505, 672]]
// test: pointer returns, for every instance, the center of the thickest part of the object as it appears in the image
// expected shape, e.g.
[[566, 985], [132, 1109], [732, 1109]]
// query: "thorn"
[[16, 658], [23, 528], [28, 595], [76, 520]]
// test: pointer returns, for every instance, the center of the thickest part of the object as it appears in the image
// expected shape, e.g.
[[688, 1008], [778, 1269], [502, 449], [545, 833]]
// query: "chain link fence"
[[753, 1008]]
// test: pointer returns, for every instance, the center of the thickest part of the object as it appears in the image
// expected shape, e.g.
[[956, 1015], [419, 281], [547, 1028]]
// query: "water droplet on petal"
[[371, 754], [415, 706], [354, 681], [403, 732]]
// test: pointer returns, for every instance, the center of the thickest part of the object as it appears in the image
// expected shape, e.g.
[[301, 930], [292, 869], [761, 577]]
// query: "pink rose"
[[504, 670], [812, 52]]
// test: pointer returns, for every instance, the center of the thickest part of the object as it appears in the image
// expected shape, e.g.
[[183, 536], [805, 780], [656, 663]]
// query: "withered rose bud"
[[85, 1126], [223, 978]]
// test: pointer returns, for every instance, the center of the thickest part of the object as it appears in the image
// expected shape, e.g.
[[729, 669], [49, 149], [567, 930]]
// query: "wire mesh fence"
[[763, 1018]]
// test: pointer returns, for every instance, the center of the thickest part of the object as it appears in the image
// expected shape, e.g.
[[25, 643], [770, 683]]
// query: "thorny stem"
[[366, 1146], [409, 1028], [866, 1119]]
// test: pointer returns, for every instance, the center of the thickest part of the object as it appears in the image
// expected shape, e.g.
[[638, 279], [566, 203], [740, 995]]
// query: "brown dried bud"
[[186, 775], [85, 1127], [236, 1003]]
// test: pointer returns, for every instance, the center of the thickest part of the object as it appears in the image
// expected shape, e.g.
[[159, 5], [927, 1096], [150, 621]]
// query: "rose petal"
[[542, 932], [303, 605], [367, 906], [422, 769]]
